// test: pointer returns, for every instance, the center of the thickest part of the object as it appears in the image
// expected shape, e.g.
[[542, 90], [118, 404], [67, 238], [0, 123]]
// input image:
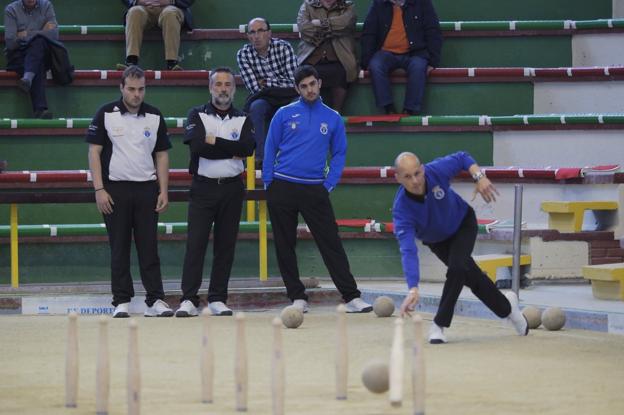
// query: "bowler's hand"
[[410, 301], [486, 189], [162, 203], [104, 202]]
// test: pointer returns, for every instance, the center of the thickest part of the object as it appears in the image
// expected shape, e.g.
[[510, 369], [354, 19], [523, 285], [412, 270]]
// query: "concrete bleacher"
[[512, 93]]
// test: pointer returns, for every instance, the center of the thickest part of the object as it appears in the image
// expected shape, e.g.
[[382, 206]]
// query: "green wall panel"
[[71, 262], [231, 14], [440, 99]]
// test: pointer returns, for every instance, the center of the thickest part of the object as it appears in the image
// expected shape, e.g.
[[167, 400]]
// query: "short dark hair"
[[303, 72], [222, 69], [132, 71], [266, 22]]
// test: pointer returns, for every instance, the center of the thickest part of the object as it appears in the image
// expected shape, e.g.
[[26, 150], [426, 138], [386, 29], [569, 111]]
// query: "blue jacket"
[[421, 25], [300, 137], [433, 220]]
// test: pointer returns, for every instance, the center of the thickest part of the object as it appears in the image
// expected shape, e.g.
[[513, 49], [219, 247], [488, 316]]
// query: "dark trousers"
[[456, 253], [134, 215], [261, 112], [380, 67], [217, 205], [285, 201], [34, 57]]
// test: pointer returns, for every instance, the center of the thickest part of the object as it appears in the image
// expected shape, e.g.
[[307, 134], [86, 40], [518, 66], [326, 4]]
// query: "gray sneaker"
[[121, 311], [301, 305], [218, 308], [357, 305], [516, 318], [158, 309], [436, 334], [187, 309]]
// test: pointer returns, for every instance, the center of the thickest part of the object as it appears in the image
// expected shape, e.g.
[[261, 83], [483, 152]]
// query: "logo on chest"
[[324, 128], [438, 193], [146, 132], [234, 134]]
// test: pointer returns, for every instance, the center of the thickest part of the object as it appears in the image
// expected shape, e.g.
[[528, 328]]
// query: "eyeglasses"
[[257, 32]]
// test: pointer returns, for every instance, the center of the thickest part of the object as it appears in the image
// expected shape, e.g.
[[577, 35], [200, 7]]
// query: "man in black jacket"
[[219, 137], [29, 26], [401, 34], [170, 15]]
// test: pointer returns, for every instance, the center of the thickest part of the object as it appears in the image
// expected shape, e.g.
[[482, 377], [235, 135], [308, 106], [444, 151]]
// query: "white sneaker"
[[158, 309], [121, 311], [301, 305], [357, 305], [516, 318], [187, 309], [218, 308], [436, 334]]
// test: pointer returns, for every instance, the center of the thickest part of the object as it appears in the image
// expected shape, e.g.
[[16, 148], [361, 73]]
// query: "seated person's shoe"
[[121, 66], [357, 305], [121, 311], [24, 85], [218, 308], [436, 334], [390, 109], [43, 114], [187, 309], [158, 309], [175, 67]]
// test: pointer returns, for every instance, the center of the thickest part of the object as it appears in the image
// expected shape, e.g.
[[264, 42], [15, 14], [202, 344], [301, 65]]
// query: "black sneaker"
[[24, 85], [44, 114]]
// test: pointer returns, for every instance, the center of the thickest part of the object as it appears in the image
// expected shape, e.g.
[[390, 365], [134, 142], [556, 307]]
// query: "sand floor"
[[484, 369]]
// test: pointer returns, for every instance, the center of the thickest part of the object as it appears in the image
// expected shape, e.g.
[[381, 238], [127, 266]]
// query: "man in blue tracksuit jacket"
[[427, 208], [298, 180]]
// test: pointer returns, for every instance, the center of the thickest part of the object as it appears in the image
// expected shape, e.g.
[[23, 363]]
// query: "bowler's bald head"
[[406, 160]]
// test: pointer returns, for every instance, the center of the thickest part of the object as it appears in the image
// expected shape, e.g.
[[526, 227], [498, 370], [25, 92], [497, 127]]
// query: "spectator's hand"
[[162, 203], [210, 139], [163, 3], [316, 22], [49, 26], [486, 189], [262, 83], [104, 202], [22, 34], [409, 302], [429, 69]]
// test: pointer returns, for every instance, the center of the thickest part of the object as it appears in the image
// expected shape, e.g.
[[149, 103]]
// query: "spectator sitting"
[[327, 30], [267, 66], [170, 15], [401, 34], [28, 25]]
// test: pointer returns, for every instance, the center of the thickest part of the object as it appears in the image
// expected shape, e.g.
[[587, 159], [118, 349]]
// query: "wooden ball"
[[375, 376], [553, 318], [383, 306], [292, 317], [533, 316]]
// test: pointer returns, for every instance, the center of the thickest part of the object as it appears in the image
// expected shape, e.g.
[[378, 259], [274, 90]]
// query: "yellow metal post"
[[14, 253], [251, 185], [262, 240]]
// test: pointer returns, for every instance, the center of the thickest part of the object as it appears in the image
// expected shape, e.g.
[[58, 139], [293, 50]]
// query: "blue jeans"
[[34, 57], [380, 67], [261, 112]]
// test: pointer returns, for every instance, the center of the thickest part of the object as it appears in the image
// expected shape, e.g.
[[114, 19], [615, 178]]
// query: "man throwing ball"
[[427, 208]]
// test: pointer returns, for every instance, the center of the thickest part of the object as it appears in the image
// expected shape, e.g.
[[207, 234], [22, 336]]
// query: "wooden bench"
[[490, 262], [568, 216], [607, 280]]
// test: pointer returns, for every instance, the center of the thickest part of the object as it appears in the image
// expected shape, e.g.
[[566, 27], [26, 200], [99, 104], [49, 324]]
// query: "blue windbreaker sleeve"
[[451, 165], [406, 236], [338, 148], [271, 147]]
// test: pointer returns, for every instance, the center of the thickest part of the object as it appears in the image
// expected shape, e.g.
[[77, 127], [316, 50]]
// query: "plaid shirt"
[[277, 67]]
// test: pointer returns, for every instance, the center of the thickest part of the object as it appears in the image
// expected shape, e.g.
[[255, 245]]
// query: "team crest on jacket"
[[146, 132], [234, 134], [438, 192], [324, 128]]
